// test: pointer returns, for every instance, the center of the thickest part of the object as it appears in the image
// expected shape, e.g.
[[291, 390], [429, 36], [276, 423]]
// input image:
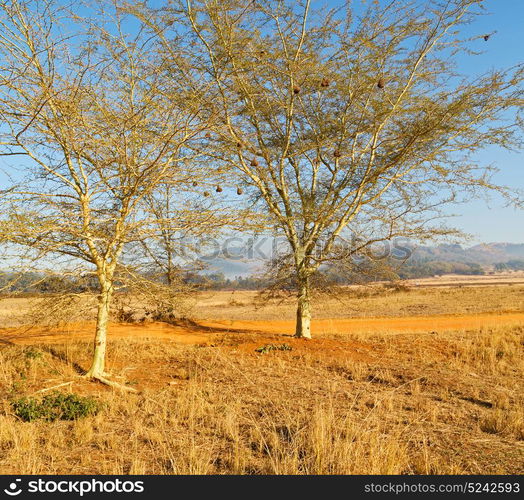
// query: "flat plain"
[[406, 380]]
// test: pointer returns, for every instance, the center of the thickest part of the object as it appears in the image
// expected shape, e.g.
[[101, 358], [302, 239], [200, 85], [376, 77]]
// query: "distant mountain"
[[485, 254], [243, 269], [231, 268], [424, 259], [498, 252]]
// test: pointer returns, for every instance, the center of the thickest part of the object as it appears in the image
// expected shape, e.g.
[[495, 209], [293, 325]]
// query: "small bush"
[[272, 347], [32, 353], [55, 406]]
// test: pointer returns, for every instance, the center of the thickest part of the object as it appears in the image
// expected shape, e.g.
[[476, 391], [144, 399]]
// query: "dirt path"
[[409, 324], [85, 331], [203, 331]]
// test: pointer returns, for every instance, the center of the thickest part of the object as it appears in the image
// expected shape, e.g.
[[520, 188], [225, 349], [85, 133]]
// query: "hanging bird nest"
[[381, 83], [239, 191], [325, 83], [254, 162], [206, 194], [239, 144], [296, 89], [337, 153], [218, 189]]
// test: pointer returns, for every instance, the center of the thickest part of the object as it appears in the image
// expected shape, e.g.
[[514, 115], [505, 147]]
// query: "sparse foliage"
[[88, 109]]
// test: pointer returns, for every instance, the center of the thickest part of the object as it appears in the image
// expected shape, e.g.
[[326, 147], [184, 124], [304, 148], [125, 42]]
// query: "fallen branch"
[[111, 383], [53, 387]]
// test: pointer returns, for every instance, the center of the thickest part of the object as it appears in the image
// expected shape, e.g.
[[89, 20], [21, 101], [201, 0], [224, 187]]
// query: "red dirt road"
[[204, 331], [409, 324]]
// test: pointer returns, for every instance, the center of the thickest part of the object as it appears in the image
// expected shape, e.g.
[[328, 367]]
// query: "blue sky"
[[494, 222]]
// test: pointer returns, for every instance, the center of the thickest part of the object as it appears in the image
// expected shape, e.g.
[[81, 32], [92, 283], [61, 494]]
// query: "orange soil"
[[204, 331], [409, 324], [85, 331]]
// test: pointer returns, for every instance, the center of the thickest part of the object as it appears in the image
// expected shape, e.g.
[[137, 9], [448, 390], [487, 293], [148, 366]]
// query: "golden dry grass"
[[359, 302], [446, 403], [378, 401]]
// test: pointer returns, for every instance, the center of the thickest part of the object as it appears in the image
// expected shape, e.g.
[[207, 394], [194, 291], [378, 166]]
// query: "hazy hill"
[[483, 254]]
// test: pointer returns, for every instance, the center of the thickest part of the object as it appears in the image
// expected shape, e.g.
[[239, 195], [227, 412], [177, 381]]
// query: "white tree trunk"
[[99, 356], [303, 326]]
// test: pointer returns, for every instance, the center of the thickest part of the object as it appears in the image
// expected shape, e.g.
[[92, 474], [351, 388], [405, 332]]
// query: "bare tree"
[[157, 266], [347, 127], [87, 108]]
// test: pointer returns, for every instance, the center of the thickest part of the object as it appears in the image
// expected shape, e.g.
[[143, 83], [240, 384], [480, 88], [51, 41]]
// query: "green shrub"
[[55, 406], [272, 347], [32, 353]]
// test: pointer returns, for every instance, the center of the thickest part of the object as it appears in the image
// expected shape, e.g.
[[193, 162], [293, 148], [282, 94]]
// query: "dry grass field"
[[423, 381], [366, 302]]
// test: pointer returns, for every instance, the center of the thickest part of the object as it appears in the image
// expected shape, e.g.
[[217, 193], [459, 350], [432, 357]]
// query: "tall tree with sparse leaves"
[[95, 129], [346, 121]]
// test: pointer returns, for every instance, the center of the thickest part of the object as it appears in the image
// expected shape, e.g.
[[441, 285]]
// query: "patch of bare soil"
[[449, 403], [206, 331], [415, 324], [84, 331]]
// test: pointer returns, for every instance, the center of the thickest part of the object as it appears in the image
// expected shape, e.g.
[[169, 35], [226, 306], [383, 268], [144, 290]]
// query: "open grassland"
[[434, 399], [365, 302], [361, 404], [357, 302]]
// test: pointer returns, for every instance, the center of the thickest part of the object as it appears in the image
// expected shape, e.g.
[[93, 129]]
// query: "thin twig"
[[53, 387]]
